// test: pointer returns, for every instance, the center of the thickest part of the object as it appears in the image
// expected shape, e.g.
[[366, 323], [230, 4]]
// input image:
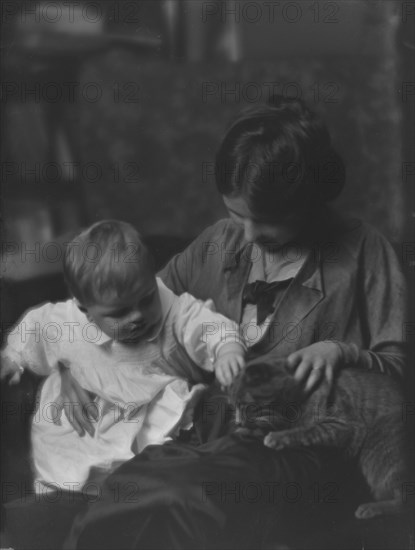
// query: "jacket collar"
[[305, 292], [236, 268]]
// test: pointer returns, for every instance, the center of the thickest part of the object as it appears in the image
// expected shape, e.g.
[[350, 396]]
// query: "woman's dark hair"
[[279, 158]]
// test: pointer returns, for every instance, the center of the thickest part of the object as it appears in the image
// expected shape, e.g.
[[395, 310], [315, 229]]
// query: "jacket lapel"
[[305, 292], [236, 271]]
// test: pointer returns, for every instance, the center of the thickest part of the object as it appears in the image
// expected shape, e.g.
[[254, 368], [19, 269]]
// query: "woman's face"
[[264, 233]]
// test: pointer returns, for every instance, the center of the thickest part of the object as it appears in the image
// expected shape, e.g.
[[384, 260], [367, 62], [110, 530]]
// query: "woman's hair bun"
[[331, 176], [327, 170], [277, 108], [295, 105]]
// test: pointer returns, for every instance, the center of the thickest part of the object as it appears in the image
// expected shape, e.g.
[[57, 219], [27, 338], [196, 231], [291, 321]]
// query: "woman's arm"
[[72, 394], [383, 302], [382, 309], [183, 267]]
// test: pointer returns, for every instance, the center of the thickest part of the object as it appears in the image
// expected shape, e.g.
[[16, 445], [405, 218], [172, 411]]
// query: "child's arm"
[[10, 368], [212, 341], [26, 347]]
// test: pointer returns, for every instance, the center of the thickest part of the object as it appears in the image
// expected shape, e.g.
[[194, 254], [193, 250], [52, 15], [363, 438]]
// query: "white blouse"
[[279, 265]]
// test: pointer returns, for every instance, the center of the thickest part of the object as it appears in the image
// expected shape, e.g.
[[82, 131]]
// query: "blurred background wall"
[[116, 108]]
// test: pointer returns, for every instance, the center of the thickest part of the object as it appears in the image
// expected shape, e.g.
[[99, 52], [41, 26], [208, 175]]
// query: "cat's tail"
[[384, 464]]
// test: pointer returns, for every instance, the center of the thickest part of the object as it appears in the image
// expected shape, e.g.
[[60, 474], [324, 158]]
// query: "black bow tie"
[[263, 295]]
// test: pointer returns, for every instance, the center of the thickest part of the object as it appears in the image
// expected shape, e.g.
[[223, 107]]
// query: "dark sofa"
[[323, 520]]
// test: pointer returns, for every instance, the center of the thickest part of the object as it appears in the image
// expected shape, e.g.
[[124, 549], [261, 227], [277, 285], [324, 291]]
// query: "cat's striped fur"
[[364, 415]]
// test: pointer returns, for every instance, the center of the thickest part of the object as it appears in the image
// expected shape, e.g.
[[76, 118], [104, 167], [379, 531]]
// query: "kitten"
[[363, 415]]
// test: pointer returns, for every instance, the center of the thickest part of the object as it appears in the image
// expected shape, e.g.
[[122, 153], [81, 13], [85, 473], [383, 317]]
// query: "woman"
[[336, 300]]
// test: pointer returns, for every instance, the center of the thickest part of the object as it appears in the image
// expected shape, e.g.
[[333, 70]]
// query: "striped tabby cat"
[[363, 415]]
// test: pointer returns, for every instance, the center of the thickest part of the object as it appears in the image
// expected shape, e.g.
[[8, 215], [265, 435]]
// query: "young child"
[[128, 339]]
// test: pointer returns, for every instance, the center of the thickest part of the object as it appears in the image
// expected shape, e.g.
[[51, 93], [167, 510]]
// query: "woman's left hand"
[[314, 363]]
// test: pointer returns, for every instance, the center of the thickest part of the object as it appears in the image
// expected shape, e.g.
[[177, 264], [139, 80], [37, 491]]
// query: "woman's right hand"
[[76, 404]]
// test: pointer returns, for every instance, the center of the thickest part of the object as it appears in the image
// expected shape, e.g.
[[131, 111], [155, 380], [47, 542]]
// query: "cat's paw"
[[242, 431], [366, 511], [380, 508], [274, 440]]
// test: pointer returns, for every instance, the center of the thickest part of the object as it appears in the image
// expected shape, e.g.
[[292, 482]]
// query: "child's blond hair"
[[106, 260]]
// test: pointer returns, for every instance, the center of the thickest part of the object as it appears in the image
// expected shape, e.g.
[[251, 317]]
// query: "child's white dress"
[[143, 393]]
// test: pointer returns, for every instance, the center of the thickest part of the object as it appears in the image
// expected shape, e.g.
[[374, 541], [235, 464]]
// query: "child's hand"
[[10, 368], [230, 361]]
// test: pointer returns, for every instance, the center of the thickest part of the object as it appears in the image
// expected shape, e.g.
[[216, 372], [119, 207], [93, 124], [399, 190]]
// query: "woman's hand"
[[314, 363], [75, 402]]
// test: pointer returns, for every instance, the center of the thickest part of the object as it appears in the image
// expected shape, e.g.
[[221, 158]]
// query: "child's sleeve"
[[26, 345], [202, 331]]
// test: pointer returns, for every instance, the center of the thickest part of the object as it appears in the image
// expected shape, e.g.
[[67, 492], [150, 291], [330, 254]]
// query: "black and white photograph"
[[207, 274]]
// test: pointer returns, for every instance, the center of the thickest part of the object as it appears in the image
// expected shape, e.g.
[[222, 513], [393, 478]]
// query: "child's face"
[[130, 319]]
